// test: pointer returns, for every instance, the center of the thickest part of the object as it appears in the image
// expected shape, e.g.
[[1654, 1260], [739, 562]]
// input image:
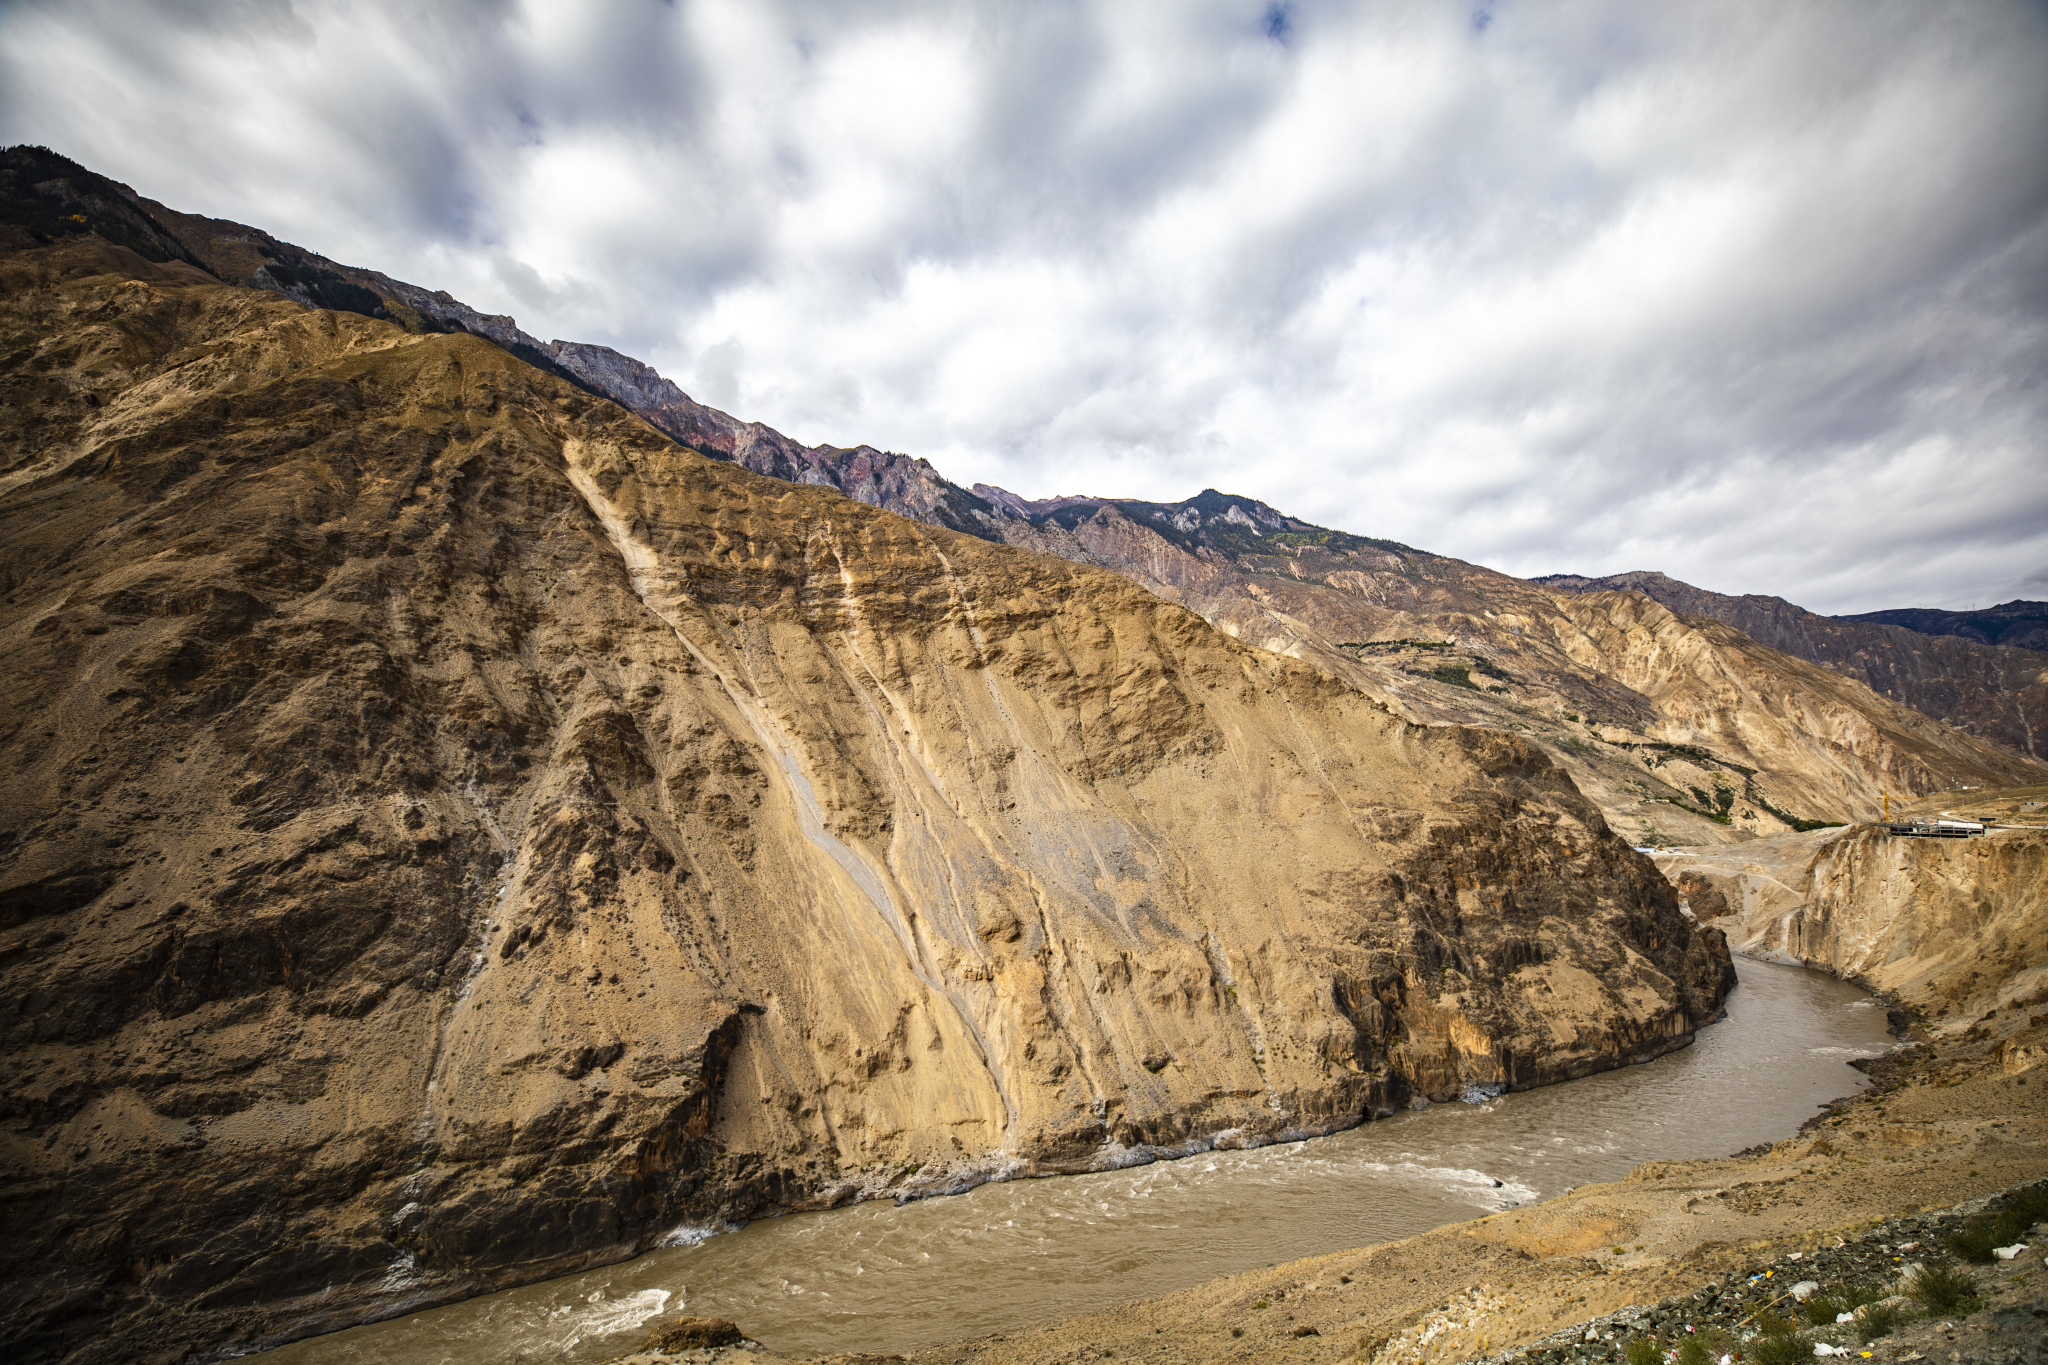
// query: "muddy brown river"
[[876, 1277]]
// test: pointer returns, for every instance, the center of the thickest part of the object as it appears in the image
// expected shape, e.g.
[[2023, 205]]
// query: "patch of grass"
[[1643, 1351], [1455, 676], [1942, 1289], [1974, 1242], [1822, 1309], [1786, 1350], [1693, 1351], [1778, 1342], [2021, 1210], [1878, 1320]]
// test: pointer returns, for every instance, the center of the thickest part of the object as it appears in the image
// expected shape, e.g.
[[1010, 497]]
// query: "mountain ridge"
[[1998, 691], [1315, 593]]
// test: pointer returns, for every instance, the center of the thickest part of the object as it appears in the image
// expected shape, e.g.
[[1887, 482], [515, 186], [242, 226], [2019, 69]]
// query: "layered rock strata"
[[456, 835]]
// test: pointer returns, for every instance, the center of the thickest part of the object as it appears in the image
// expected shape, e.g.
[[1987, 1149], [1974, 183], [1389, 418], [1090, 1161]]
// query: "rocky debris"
[[700, 1340], [1856, 1298]]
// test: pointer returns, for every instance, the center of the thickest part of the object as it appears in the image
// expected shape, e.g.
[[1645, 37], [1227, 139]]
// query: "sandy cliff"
[[455, 834], [1953, 927]]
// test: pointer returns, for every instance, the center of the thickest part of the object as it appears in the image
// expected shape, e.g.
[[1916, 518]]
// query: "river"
[[876, 1277]]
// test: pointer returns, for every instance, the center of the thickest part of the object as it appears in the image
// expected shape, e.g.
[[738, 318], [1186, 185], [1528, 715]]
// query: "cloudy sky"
[[1753, 293]]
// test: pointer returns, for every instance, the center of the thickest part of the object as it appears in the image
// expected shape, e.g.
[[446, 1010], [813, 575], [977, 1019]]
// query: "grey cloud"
[[1589, 285]]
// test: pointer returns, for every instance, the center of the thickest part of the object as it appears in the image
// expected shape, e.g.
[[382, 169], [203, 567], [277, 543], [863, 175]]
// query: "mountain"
[[2018, 624], [455, 834], [1681, 731], [1970, 669]]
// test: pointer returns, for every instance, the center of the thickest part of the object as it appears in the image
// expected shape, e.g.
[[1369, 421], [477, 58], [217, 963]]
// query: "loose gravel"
[[2007, 1325]]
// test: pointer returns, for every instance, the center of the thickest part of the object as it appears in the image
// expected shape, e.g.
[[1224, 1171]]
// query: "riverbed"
[[877, 1277]]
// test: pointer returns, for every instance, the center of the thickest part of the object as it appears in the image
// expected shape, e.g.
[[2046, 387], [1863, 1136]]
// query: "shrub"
[[1974, 1242], [1878, 1320], [1943, 1289], [2027, 1207], [1693, 1351], [1643, 1351], [1456, 677], [1782, 1350]]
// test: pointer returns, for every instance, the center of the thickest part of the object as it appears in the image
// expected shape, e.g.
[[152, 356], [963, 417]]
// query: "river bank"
[[1949, 1120]]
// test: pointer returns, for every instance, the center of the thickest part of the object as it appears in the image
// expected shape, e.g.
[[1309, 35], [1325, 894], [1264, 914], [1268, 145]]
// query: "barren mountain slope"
[[454, 834], [1955, 666], [1430, 622], [1655, 715], [1955, 927]]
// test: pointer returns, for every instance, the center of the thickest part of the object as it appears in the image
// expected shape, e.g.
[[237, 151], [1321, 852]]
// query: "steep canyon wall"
[[456, 835]]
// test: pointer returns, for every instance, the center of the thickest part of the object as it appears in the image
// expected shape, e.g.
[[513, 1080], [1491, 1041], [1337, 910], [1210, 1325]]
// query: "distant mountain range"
[[1681, 728], [1981, 671], [2019, 624]]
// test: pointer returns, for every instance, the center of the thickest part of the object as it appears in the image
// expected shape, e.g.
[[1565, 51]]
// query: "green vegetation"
[[2022, 1209], [1878, 1320], [1693, 1351], [1778, 1342], [1943, 1289], [1454, 676], [1398, 644], [1703, 810], [1822, 1309], [1662, 753], [1643, 1351], [1801, 825]]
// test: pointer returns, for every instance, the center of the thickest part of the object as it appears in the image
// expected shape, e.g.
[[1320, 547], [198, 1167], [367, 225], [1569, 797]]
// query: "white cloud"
[[1752, 293]]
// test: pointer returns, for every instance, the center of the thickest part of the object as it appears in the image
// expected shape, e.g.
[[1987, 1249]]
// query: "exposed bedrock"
[[1954, 927], [455, 835]]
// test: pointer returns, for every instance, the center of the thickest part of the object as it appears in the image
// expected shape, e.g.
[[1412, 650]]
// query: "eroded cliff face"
[[456, 835], [1954, 927]]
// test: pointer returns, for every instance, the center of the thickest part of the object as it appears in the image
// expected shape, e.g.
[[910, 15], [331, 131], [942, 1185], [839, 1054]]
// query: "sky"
[[1752, 293]]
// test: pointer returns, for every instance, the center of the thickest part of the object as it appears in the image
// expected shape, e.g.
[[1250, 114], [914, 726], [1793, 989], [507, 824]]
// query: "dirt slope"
[[1952, 927], [454, 835]]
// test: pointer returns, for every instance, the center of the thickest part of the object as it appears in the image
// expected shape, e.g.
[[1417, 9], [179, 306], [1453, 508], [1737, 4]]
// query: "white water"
[[881, 1278]]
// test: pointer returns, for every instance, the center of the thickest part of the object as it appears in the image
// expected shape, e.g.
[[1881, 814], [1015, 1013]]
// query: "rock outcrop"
[[1953, 927], [455, 835]]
